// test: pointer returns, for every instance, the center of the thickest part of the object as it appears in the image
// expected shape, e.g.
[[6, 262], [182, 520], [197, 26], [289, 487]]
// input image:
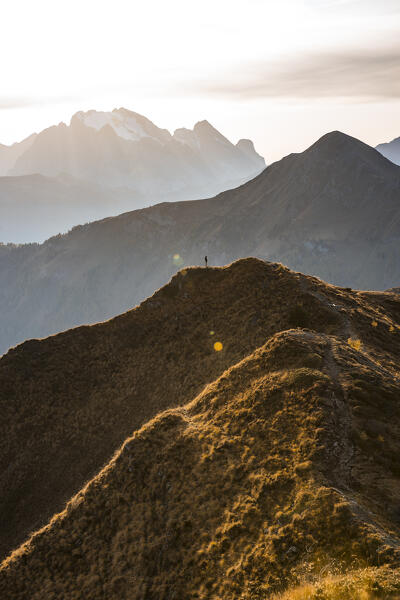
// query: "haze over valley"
[[103, 164]]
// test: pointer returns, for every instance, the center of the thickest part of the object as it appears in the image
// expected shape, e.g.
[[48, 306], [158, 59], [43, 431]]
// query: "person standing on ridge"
[[206, 261]]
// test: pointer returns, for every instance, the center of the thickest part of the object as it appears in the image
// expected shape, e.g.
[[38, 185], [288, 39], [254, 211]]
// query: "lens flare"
[[177, 259], [218, 346]]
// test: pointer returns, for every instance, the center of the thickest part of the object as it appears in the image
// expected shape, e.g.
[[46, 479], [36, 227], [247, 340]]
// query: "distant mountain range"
[[331, 211], [127, 160], [137, 462], [391, 150]]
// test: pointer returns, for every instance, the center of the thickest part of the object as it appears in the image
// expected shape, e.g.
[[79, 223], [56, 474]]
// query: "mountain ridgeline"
[[331, 211], [124, 149], [105, 163], [235, 435]]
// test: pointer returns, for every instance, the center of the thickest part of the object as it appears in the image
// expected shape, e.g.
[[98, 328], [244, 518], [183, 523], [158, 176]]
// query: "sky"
[[281, 73]]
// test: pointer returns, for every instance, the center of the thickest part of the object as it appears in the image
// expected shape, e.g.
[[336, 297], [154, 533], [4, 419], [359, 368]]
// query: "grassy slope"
[[264, 480], [70, 400], [362, 584], [283, 467]]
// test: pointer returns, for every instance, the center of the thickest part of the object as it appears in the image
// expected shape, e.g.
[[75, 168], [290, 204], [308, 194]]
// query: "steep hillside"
[[282, 472], [73, 398], [331, 211], [391, 150]]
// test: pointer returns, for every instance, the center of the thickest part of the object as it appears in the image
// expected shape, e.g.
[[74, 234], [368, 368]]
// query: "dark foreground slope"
[[283, 469], [332, 211], [67, 402]]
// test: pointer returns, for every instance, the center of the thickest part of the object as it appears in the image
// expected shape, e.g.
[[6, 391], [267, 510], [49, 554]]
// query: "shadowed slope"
[[71, 399], [283, 467], [67, 402]]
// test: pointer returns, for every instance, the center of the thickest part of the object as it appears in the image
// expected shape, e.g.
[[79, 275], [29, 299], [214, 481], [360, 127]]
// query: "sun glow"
[[159, 59]]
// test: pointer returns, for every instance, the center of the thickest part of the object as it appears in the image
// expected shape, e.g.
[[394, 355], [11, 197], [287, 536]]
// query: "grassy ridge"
[[68, 401], [241, 493], [280, 472]]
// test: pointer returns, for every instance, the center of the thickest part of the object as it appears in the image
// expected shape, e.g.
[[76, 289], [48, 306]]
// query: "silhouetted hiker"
[[206, 261]]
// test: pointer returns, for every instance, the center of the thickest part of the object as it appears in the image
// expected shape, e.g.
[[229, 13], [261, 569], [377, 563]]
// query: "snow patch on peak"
[[125, 124]]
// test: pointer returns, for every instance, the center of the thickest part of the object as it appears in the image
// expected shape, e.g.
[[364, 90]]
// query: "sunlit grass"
[[354, 343], [365, 584]]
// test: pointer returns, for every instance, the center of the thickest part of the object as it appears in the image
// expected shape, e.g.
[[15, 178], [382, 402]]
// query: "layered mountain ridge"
[[244, 469], [331, 211], [112, 162], [125, 149]]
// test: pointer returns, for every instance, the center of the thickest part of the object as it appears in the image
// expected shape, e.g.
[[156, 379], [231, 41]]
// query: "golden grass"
[[354, 343], [365, 584], [67, 402], [281, 470], [234, 495]]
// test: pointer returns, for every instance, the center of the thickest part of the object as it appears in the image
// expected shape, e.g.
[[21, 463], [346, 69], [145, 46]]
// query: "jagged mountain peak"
[[204, 128], [126, 124], [124, 149], [204, 124], [337, 142], [247, 146], [245, 143], [343, 148]]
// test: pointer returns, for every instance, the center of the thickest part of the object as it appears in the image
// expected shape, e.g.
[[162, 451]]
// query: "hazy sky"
[[280, 72]]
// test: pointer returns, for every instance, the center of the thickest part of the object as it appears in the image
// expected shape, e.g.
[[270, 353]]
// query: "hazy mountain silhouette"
[[125, 149], [34, 207], [104, 164], [391, 150], [237, 473], [10, 154], [332, 211]]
